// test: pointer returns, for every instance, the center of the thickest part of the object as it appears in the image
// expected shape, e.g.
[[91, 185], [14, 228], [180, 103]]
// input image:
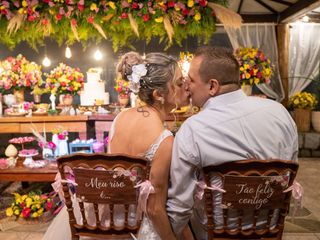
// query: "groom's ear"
[[214, 87]]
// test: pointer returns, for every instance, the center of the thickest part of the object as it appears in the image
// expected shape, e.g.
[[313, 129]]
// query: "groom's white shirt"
[[230, 127]]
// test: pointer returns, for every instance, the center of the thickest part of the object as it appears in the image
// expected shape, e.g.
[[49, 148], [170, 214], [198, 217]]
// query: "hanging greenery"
[[68, 21]]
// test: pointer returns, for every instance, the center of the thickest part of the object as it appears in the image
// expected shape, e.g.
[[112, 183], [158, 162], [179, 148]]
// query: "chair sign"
[[259, 192], [110, 186]]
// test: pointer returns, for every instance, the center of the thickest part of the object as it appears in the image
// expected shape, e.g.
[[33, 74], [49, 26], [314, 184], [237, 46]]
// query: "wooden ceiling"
[[276, 11]]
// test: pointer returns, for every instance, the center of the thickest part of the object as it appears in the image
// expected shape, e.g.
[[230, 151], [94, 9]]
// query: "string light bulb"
[[98, 55], [68, 53], [46, 62], [305, 19]]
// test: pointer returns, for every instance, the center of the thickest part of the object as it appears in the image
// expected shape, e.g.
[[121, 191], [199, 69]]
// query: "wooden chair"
[[252, 186], [102, 179]]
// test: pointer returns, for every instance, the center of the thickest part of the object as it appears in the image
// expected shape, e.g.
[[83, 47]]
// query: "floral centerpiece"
[[122, 87], [255, 67], [303, 100], [19, 73], [31, 205], [65, 80]]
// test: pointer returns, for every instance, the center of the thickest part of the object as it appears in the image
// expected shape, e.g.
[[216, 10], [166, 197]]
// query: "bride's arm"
[[159, 175]]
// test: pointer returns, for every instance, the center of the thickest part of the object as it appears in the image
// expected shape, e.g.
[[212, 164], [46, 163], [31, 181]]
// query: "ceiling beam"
[[239, 7], [260, 18], [266, 6], [299, 6], [283, 2]]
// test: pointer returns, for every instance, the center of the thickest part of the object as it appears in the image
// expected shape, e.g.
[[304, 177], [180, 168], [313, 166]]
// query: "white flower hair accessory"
[[138, 71]]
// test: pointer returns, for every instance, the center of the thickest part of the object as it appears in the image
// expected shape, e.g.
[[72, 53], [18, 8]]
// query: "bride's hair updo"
[[161, 69]]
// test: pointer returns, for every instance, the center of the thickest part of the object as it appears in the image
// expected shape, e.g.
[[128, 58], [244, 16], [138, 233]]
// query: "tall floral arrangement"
[[19, 73], [255, 67], [65, 80], [122, 87], [119, 20]]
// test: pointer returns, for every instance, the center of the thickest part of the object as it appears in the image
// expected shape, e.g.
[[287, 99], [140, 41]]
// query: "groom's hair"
[[218, 63]]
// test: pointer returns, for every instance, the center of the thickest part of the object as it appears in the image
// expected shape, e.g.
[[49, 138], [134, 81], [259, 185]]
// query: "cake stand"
[[29, 159]]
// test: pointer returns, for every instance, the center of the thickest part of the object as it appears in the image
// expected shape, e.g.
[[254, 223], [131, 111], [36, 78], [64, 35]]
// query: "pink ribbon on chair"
[[297, 192], [145, 189], [202, 186], [57, 185]]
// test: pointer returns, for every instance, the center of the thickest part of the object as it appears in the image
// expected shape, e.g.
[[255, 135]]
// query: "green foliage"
[[188, 18]]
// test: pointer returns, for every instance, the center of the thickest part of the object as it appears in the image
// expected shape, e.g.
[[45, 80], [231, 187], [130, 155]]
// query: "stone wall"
[[309, 144]]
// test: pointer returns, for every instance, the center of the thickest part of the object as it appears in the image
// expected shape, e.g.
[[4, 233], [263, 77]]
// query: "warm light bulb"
[[98, 55], [46, 62], [305, 19], [68, 53], [185, 67]]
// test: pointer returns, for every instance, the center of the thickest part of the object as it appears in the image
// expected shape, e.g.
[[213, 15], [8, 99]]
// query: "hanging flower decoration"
[[303, 100], [184, 62], [19, 73], [65, 80], [255, 67], [32, 21]]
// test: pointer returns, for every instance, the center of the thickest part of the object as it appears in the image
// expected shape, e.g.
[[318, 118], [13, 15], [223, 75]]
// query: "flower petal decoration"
[[138, 71]]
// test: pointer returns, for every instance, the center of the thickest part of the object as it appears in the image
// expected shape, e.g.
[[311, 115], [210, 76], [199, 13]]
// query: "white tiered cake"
[[94, 90]]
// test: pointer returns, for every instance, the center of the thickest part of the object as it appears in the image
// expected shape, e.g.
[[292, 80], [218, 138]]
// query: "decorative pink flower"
[[49, 205], [26, 212], [52, 145], [171, 4], [146, 17]]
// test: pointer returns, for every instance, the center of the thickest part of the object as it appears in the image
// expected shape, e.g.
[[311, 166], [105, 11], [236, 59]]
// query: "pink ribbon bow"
[[145, 189], [202, 186], [297, 192], [57, 185]]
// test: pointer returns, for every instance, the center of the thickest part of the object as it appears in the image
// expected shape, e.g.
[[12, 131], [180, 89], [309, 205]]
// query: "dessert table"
[[22, 173], [23, 124]]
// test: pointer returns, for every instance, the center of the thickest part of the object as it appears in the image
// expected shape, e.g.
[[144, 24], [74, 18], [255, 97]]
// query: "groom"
[[230, 127]]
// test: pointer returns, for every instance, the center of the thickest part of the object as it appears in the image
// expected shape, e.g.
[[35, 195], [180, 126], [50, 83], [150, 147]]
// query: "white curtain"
[[304, 55], [262, 36]]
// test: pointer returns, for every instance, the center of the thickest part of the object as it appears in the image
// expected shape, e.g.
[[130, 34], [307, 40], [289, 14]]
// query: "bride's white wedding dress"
[[59, 229]]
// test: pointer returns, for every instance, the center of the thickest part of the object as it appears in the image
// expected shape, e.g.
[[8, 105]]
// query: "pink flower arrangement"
[[62, 134], [18, 73], [49, 145]]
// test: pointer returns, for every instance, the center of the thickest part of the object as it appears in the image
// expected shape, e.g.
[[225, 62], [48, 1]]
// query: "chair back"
[[102, 182], [254, 204]]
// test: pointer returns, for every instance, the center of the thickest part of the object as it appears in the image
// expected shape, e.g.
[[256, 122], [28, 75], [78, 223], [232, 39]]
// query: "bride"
[[140, 131]]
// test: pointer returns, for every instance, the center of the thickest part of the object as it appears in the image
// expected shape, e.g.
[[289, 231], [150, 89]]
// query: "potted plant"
[[302, 103], [255, 68]]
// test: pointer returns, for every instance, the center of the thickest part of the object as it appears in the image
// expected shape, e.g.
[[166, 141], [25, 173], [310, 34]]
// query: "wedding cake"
[[94, 90]]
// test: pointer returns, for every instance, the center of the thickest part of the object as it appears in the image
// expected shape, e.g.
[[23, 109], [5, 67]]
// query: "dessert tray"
[[13, 114]]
